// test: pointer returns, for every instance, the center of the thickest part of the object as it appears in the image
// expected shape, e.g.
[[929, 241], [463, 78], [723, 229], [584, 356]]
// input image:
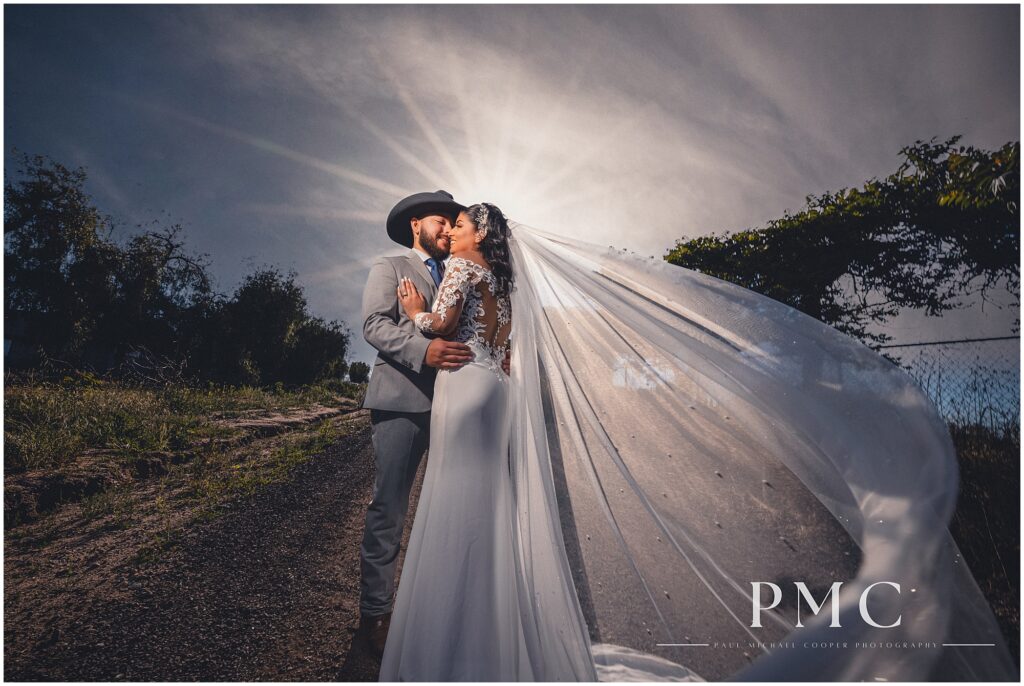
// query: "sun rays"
[[269, 146], [444, 154], [482, 148]]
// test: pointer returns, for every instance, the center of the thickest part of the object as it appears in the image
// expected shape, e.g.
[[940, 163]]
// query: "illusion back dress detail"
[[469, 291], [456, 615]]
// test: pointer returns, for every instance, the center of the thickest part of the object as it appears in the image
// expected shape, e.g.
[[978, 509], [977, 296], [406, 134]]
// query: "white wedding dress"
[[667, 439], [456, 612]]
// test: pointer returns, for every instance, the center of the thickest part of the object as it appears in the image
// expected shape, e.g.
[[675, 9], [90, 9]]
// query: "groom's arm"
[[380, 319]]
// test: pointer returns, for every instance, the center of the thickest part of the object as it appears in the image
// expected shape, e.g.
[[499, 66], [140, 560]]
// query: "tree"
[[81, 288], [271, 337], [57, 256], [359, 372], [317, 352], [83, 292], [923, 237], [160, 291]]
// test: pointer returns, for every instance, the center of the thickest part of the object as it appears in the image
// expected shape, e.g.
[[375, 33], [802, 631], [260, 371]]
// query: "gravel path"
[[268, 591]]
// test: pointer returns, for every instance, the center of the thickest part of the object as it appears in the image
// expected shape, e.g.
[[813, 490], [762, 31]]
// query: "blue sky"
[[283, 135]]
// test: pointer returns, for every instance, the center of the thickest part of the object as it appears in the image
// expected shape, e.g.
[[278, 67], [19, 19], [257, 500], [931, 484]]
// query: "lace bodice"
[[468, 291]]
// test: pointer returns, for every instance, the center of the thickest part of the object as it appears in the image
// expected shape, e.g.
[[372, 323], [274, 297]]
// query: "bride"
[[456, 609], [671, 459]]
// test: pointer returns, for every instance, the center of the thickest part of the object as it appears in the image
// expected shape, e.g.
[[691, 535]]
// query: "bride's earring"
[[480, 235]]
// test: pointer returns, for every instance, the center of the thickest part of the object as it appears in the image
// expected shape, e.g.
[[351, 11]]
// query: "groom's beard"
[[433, 249]]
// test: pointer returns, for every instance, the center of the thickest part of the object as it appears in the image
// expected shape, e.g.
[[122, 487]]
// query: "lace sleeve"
[[451, 295]]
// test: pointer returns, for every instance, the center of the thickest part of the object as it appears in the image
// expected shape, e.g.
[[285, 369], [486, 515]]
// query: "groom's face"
[[430, 233]]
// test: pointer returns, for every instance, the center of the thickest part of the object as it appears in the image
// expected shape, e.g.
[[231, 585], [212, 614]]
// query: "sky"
[[283, 135]]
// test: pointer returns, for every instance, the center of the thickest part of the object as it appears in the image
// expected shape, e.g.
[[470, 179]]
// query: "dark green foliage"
[[272, 337], [87, 301], [57, 259], [945, 225], [359, 372]]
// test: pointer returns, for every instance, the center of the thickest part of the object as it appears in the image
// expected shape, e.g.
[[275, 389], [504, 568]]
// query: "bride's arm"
[[451, 295]]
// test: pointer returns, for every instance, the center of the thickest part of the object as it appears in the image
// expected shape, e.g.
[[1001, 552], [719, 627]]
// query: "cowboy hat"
[[419, 205]]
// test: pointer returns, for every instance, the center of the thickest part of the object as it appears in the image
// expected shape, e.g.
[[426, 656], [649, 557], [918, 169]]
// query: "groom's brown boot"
[[374, 629]]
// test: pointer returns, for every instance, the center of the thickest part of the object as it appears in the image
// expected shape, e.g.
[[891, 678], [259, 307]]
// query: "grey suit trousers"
[[399, 441], [399, 400]]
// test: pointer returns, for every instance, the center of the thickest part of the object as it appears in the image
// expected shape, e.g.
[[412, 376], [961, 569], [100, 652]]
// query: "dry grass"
[[49, 424]]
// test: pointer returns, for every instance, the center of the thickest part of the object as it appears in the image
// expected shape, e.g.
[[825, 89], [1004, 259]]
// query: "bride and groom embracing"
[[440, 382]]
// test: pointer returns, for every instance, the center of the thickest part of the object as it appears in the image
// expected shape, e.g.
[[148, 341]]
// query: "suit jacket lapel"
[[420, 268]]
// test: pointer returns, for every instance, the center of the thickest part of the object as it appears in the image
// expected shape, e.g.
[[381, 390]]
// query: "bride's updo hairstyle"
[[494, 246]]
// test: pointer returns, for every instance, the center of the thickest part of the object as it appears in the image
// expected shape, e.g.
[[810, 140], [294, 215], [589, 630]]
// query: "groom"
[[400, 391]]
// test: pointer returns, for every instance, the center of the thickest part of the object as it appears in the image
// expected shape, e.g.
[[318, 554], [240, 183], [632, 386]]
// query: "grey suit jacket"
[[400, 380]]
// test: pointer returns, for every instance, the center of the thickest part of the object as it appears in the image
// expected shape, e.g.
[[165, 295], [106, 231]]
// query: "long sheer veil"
[[676, 438]]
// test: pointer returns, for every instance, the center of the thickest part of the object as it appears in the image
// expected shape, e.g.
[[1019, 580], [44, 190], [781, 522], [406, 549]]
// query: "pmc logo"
[[804, 594]]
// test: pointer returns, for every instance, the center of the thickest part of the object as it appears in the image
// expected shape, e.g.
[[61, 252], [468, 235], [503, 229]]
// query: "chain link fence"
[[973, 381]]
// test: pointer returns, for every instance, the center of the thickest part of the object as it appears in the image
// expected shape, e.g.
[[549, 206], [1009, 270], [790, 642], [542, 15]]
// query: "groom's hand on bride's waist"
[[447, 354]]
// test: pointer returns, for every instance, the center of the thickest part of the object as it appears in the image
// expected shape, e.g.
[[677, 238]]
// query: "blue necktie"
[[436, 270]]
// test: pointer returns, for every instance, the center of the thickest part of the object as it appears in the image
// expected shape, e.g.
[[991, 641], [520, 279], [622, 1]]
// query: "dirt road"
[[268, 591]]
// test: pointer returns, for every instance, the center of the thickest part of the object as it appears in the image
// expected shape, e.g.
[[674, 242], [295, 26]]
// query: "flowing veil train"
[[675, 438]]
